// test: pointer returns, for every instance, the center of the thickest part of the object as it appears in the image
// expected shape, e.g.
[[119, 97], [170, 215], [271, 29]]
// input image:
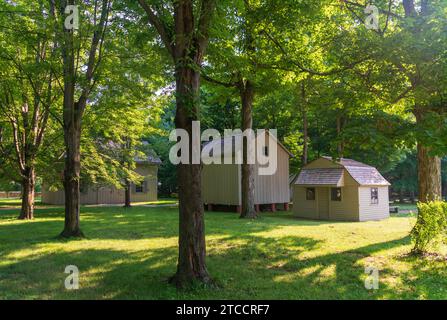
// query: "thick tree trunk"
[[72, 180], [429, 169], [247, 170], [127, 192], [429, 175], [191, 265], [28, 183]]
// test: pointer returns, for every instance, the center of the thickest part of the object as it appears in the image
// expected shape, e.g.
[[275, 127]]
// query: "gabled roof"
[[148, 159], [229, 143], [323, 176], [347, 162], [363, 174]]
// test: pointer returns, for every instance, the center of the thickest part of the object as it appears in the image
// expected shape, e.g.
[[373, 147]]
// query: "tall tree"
[[236, 67], [26, 90], [410, 46], [80, 63], [185, 39]]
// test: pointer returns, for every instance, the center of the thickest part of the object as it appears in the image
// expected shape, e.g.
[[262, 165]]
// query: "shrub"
[[431, 226]]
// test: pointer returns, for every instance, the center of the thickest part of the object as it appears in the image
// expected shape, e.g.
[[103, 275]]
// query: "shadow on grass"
[[245, 264]]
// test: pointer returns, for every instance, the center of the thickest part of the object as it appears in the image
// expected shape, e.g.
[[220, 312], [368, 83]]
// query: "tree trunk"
[[127, 192], [304, 158], [429, 175], [191, 265], [429, 169], [247, 170], [28, 183], [340, 146], [72, 176]]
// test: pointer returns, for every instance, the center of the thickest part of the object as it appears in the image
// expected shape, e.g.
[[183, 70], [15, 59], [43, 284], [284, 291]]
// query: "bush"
[[431, 226]]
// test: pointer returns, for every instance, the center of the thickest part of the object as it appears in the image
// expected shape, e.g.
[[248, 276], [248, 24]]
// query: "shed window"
[[374, 195], [310, 193], [336, 194], [139, 188]]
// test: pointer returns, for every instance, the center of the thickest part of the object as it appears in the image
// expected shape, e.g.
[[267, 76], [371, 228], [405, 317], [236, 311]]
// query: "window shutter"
[[145, 188]]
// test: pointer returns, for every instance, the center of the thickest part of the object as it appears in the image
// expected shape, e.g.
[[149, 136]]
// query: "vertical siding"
[[274, 188], [370, 211], [348, 208], [221, 184], [111, 195], [56, 197], [301, 207]]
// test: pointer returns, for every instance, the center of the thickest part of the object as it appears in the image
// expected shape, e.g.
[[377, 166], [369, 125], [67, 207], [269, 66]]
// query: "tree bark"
[[28, 183], [246, 90], [127, 194], [191, 265], [429, 168], [429, 175], [304, 157], [186, 42], [72, 176]]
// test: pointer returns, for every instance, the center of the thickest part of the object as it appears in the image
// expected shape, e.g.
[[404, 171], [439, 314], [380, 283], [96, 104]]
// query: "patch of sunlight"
[[15, 221], [291, 276], [329, 272], [94, 245]]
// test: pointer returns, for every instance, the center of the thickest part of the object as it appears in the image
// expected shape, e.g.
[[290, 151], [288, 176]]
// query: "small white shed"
[[345, 190]]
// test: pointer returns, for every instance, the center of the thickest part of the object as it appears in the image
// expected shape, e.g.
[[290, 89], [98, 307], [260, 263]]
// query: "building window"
[[374, 195], [336, 194], [310, 193], [139, 188]]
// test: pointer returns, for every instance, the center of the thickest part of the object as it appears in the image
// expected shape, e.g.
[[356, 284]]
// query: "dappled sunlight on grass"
[[130, 254]]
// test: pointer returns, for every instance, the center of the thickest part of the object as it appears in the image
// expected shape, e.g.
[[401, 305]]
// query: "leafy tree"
[[81, 56], [183, 28], [408, 52], [27, 96]]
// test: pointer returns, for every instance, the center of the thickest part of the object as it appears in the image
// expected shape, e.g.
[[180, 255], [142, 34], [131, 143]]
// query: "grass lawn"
[[406, 206], [130, 254], [8, 203]]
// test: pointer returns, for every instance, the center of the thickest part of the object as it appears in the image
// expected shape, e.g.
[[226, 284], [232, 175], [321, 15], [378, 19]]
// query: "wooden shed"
[[345, 190], [145, 191], [221, 183]]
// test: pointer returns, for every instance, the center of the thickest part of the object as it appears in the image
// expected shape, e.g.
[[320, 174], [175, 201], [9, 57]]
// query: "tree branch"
[[206, 10], [158, 24]]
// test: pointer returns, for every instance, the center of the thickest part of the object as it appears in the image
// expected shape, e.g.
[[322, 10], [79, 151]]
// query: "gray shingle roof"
[[323, 176], [367, 175], [360, 172], [150, 159], [348, 162]]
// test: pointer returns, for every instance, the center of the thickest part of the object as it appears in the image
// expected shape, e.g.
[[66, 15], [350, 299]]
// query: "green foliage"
[[431, 226]]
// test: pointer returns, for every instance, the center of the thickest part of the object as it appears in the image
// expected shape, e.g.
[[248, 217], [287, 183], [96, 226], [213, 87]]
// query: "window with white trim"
[[374, 195]]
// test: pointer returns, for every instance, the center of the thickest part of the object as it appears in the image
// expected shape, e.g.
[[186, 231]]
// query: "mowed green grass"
[[130, 254]]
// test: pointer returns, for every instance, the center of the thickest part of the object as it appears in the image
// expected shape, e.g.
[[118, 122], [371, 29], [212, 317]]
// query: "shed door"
[[323, 203]]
